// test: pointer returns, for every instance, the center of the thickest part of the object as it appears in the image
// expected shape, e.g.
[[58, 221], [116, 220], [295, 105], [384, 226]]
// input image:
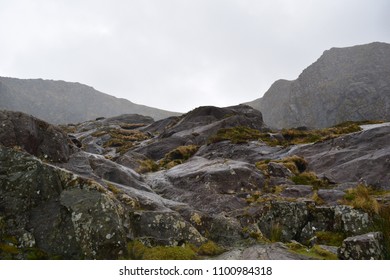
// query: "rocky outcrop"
[[206, 176], [34, 136], [363, 247], [60, 213], [60, 102], [362, 157], [344, 84]]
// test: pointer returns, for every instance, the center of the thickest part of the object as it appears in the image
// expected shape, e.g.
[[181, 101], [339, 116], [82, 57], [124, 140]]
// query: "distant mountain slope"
[[343, 84], [60, 102]]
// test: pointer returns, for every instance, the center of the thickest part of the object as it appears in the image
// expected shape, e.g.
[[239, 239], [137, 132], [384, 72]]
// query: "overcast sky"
[[179, 54]]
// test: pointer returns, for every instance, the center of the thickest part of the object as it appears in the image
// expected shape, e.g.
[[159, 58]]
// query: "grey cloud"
[[180, 54]]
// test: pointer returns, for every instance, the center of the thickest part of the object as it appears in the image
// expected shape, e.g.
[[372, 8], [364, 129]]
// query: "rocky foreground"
[[213, 183]]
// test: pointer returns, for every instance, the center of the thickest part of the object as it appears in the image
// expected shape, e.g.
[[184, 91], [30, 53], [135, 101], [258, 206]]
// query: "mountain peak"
[[344, 84]]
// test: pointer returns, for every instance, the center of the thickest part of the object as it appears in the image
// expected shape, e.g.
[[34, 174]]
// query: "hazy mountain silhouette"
[[60, 102]]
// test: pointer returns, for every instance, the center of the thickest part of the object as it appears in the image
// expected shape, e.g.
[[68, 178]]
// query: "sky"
[[180, 54]]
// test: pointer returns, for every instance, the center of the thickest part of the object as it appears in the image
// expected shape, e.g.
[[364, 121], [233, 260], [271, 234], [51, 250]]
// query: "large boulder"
[[283, 220], [211, 186], [368, 246], [58, 212], [34, 136]]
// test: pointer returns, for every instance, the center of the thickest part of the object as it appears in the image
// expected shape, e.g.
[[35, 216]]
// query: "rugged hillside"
[[213, 183], [344, 84], [60, 102]]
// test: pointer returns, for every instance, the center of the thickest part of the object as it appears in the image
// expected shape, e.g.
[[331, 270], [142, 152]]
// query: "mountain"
[[60, 102], [212, 183], [344, 84]]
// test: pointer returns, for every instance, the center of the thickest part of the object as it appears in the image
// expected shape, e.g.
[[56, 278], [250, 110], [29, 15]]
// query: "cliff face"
[[60, 102], [343, 84]]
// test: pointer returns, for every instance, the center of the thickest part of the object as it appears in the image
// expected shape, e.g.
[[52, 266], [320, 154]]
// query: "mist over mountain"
[[344, 84], [60, 102]]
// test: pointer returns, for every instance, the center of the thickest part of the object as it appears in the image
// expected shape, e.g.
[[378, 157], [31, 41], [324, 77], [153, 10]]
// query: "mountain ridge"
[[344, 84], [61, 102]]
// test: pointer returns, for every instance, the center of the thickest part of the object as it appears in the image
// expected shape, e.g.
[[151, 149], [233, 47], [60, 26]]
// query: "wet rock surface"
[[165, 183], [358, 157]]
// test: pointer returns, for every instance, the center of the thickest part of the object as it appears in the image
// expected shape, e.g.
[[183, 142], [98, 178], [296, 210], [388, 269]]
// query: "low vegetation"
[[330, 238], [237, 135], [310, 178], [295, 164], [148, 165], [138, 251], [121, 139], [177, 156], [286, 137], [362, 198], [315, 252]]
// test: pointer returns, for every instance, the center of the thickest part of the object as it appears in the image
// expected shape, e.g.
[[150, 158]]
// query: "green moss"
[[294, 136], [237, 135], [330, 238], [178, 156], [115, 190], [148, 165], [210, 249], [316, 252], [310, 178], [139, 251], [136, 250], [37, 254], [121, 139], [9, 248]]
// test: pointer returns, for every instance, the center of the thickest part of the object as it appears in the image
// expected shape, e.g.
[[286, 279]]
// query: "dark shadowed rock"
[[34, 136]]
